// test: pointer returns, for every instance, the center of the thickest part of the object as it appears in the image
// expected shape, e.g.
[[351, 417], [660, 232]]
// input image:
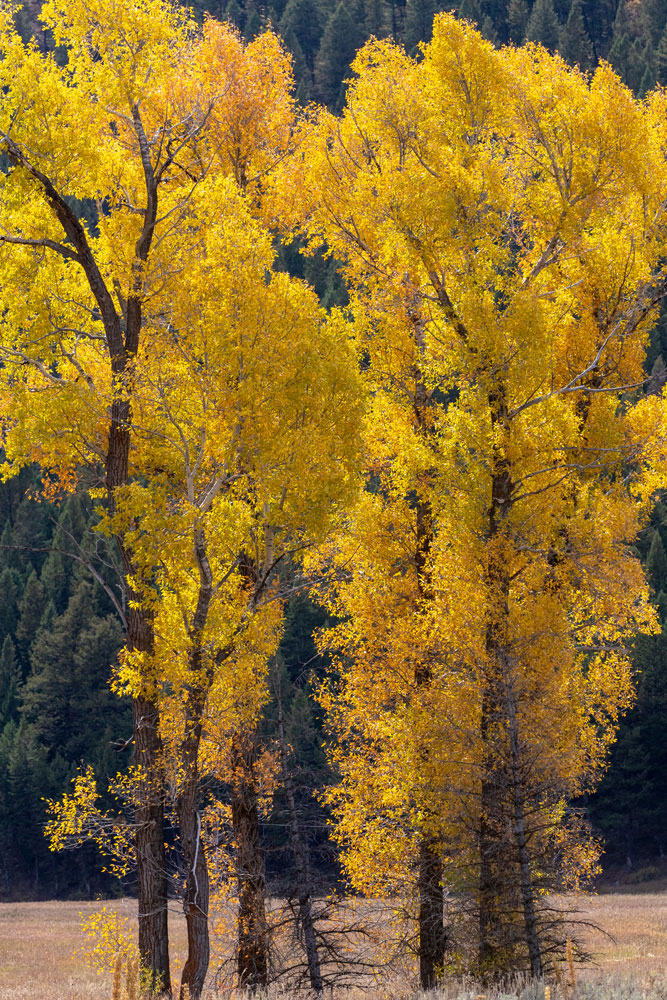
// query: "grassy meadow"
[[40, 952]]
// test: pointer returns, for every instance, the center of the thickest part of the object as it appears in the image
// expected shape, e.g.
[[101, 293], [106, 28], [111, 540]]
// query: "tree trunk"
[[123, 340], [493, 763], [432, 933], [528, 895], [301, 863], [202, 673], [252, 955], [488, 915], [149, 843], [196, 901]]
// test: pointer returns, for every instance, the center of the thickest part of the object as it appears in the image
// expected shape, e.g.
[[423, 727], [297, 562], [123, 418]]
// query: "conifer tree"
[[656, 564], [67, 700], [234, 14], [543, 25], [648, 80], [10, 683], [305, 20], [418, 23], [253, 22], [302, 74], [54, 576], [517, 20], [10, 588], [469, 10], [31, 608], [574, 44], [375, 23], [9, 551], [661, 59], [340, 41]]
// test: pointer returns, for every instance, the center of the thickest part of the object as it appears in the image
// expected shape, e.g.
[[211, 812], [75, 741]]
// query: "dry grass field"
[[39, 944]]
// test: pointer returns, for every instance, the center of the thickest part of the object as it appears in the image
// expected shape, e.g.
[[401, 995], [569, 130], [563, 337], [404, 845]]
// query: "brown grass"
[[38, 942], [636, 929], [38, 945]]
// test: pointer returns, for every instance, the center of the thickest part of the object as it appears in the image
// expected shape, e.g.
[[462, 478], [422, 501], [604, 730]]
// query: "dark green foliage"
[[627, 58], [234, 15], [648, 80], [630, 807], [575, 45], [418, 23], [376, 18], [488, 30], [340, 41], [56, 710], [304, 18], [543, 25], [294, 678], [10, 587], [253, 22], [67, 694], [656, 564], [517, 20], [53, 577], [299, 67], [653, 16], [31, 608], [470, 11], [661, 59], [10, 682]]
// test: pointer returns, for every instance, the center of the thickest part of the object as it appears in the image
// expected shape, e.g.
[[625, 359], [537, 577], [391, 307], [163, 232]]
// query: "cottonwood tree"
[[247, 436], [146, 113], [503, 237]]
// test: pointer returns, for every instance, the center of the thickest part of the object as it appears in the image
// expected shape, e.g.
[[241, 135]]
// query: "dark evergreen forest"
[[58, 630]]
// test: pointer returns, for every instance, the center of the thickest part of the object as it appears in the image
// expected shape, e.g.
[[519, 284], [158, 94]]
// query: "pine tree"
[[234, 14], [653, 14], [33, 527], [418, 23], [304, 18], [656, 564], [517, 20], [648, 80], [375, 23], [10, 588], [470, 11], [299, 66], [340, 41], [54, 578], [10, 683], [575, 45], [488, 30], [31, 609], [543, 25], [9, 553], [661, 59], [66, 699], [253, 21]]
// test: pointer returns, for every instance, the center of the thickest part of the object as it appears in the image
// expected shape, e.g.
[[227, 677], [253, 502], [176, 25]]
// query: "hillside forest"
[[333, 560]]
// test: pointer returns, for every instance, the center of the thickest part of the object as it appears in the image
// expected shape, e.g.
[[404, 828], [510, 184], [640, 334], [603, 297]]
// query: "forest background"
[[59, 632]]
